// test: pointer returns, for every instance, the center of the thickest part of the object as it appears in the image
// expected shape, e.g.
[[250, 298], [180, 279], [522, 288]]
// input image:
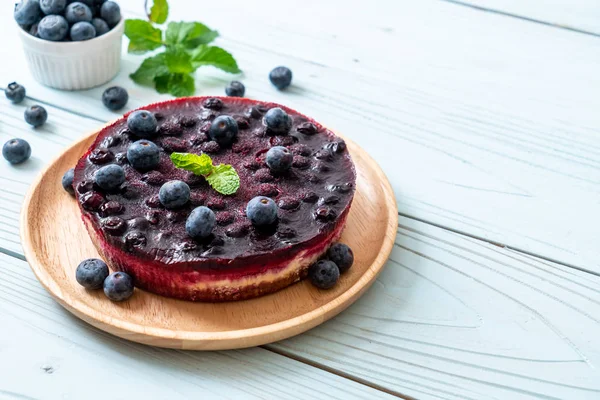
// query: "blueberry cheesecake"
[[215, 199]]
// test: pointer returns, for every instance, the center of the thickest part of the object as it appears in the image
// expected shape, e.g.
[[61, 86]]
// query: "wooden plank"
[[484, 124], [66, 358], [456, 318]]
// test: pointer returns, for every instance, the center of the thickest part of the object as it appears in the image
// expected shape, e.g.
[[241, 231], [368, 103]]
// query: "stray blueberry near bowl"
[[81, 31], [78, 12], [223, 129], [261, 211], [279, 159], [324, 274], [143, 155], [200, 223], [16, 151], [235, 89], [118, 286], [27, 12], [67, 181], [115, 98], [142, 123], [174, 194], [53, 27], [281, 77], [36, 115], [278, 121], [15, 92], [111, 13], [110, 177], [342, 256], [50, 7], [101, 26], [91, 273]]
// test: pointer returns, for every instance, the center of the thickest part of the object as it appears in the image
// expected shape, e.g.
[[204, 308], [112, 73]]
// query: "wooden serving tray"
[[55, 242]]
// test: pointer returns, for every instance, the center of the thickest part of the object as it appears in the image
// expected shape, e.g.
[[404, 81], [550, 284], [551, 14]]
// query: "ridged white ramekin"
[[74, 65]]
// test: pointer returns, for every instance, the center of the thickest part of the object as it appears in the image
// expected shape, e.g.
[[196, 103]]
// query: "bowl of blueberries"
[[71, 44]]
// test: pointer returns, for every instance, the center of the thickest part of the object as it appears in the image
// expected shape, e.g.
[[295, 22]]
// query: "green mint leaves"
[[185, 50], [223, 177]]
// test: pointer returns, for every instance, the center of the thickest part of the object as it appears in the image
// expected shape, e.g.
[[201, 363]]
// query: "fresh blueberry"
[[278, 121], [28, 12], [16, 151], [200, 223], [36, 116], [53, 27], [114, 98], [235, 89], [174, 194], [53, 7], [281, 77], [15, 92], [33, 30], [78, 12], [67, 181], [324, 274], [91, 273], [118, 286], [223, 129], [143, 155], [142, 123], [81, 31], [110, 177], [261, 211], [342, 256], [101, 26], [279, 159], [111, 13]]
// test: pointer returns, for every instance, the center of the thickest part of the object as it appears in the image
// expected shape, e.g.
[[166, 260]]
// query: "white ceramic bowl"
[[74, 65]]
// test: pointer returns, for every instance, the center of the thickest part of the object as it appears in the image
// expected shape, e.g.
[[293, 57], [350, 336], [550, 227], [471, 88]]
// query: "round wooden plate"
[[55, 242]]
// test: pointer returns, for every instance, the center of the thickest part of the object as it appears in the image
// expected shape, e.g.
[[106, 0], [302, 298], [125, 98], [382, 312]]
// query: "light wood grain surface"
[[486, 124]]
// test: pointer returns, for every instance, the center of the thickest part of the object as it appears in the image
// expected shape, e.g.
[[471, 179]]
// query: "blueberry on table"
[[111, 13], [261, 211], [324, 274], [101, 26], [91, 273], [342, 256], [27, 12], [223, 130], [279, 159], [67, 181], [36, 116], [110, 177], [200, 223], [235, 89], [114, 98], [53, 7], [278, 121], [142, 123], [78, 12], [53, 27], [118, 286], [15, 92], [281, 77], [81, 31], [174, 194], [16, 151], [143, 155]]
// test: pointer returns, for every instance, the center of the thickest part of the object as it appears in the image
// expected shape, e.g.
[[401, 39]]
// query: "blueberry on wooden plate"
[[91, 273], [118, 286]]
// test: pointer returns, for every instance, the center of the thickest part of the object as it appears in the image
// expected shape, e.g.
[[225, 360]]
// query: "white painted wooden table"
[[483, 113]]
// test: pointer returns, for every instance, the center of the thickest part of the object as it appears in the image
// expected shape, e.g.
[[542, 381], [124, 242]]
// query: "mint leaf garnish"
[[224, 179], [143, 37], [150, 69], [179, 85], [159, 11], [189, 35], [178, 61], [198, 164], [215, 56]]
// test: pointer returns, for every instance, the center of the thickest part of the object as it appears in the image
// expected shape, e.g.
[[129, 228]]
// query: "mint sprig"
[[186, 48], [223, 177]]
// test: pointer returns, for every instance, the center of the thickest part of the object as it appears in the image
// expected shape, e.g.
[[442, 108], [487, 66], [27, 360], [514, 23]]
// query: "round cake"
[[135, 233]]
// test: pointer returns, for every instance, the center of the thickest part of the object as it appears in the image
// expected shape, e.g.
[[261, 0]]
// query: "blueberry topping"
[[238, 230], [135, 239], [159, 116], [200, 223], [257, 111], [153, 201], [223, 130], [91, 201], [15, 92], [53, 6], [16, 151], [281, 77], [301, 162], [142, 123], [225, 218], [208, 115], [91, 273], [67, 181], [143, 155], [78, 12], [268, 190], [279, 159], [81, 31], [174, 194], [286, 233], [261, 211], [110, 141], [210, 147], [111, 13], [324, 213], [121, 158], [301, 150], [154, 178], [283, 140], [338, 146], [342, 188], [110, 208], [114, 226], [235, 89], [118, 286], [171, 144], [242, 122], [213, 104], [324, 155], [320, 166], [170, 128], [27, 12], [277, 121], [100, 26], [100, 156], [263, 175], [197, 199], [139, 223], [307, 128], [324, 274], [110, 177], [333, 199], [187, 121], [342, 256], [310, 197], [36, 116], [114, 98], [216, 203], [85, 186]]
